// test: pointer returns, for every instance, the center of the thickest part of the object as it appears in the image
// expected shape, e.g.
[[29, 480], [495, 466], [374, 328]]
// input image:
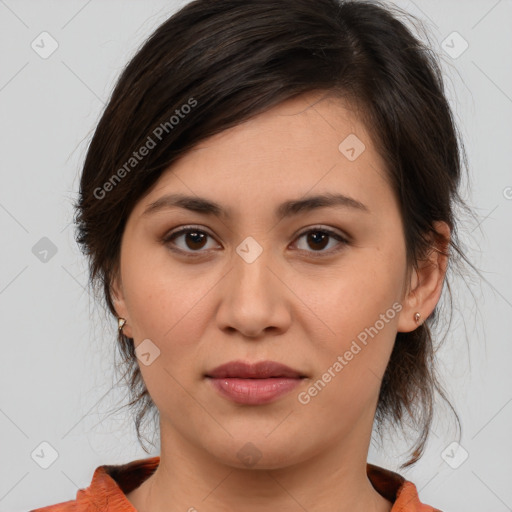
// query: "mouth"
[[254, 384], [259, 370]]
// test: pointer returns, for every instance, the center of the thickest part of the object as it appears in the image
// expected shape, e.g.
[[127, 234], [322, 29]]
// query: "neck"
[[187, 479]]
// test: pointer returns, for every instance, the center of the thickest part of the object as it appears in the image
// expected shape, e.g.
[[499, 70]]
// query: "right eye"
[[192, 238]]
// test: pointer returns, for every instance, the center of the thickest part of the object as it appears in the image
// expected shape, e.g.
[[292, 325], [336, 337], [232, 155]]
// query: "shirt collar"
[[111, 483]]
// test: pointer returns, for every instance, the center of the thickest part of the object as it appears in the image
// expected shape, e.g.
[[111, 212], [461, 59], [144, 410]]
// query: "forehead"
[[309, 123], [313, 142]]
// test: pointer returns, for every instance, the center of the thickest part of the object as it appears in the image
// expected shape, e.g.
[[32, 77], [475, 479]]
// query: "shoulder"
[[97, 496], [106, 492], [408, 500], [65, 506], [396, 489]]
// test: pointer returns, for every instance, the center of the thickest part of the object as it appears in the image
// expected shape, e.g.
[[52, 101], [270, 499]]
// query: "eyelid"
[[342, 238], [186, 228], [183, 230], [324, 229]]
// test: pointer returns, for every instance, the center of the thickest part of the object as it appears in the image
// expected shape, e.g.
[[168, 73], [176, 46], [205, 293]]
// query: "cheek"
[[352, 297], [167, 306], [351, 362], [161, 296], [360, 304]]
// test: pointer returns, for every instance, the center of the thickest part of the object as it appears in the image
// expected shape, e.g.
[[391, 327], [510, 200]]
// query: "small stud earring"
[[120, 324], [417, 317]]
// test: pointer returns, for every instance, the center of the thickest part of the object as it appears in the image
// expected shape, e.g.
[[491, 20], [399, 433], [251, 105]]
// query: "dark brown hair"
[[216, 63]]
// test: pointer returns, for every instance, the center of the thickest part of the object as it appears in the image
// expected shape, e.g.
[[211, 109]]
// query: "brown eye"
[[195, 239], [188, 240], [316, 240]]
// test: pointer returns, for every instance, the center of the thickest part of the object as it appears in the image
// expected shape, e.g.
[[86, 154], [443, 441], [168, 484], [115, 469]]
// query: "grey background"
[[57, 377]]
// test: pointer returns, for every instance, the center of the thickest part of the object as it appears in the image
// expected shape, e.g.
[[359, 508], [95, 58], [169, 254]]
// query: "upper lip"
[[259, 370]]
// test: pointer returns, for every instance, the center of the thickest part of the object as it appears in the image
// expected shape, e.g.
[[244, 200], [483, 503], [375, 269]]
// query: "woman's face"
[[262, 281]]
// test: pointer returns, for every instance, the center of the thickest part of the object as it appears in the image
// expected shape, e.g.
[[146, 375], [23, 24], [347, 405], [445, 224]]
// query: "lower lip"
[[254, 391]]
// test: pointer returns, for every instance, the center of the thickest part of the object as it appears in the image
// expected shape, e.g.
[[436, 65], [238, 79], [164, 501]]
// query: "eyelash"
[[194, 254]]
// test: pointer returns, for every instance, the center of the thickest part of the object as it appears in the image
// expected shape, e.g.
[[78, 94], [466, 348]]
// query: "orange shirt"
[[110, 484]]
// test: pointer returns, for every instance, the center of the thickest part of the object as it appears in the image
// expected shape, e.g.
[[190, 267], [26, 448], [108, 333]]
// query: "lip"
[[254, 384], [259, 370]]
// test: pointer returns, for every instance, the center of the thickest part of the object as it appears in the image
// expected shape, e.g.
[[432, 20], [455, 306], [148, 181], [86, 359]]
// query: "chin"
[[260, 452]]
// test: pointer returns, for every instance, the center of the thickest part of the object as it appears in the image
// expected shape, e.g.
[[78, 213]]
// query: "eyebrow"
[[286, 209]]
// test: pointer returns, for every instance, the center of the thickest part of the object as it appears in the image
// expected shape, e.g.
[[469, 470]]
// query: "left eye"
[[318, 239], [193, 240]]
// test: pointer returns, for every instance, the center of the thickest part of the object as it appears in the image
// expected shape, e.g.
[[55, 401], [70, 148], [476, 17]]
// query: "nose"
[[254, 300]]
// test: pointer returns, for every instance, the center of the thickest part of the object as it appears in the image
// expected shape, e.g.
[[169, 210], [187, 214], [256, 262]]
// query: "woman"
[[267, 203]]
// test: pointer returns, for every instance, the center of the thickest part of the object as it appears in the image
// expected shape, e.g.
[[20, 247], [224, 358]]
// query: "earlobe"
[[410, 315], [117, 296], [120, 324], [426, 281]]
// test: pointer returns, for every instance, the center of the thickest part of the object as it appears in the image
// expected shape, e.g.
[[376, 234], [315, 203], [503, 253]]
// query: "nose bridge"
[[252, 298], [251, 277]]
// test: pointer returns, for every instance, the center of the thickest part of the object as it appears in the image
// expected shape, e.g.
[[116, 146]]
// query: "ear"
[[426, 281], [117, 295]]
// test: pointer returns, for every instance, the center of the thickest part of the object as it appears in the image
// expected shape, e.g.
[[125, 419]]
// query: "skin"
[[287, 306]]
